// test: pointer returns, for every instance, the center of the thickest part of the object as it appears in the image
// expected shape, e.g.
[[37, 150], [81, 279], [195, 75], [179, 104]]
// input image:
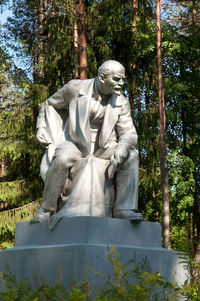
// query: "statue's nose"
[[121, 82]]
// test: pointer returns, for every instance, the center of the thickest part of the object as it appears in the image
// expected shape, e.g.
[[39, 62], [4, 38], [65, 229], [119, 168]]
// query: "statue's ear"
[[101, 78]]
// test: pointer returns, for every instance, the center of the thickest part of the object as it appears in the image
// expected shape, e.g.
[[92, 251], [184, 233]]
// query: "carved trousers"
[[67, 154]]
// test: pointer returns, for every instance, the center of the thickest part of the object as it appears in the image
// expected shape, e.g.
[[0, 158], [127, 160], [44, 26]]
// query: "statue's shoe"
[[128, 214], [41, 216]]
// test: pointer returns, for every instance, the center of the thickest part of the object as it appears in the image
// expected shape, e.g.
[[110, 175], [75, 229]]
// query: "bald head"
[[110, 78], [110, 66]]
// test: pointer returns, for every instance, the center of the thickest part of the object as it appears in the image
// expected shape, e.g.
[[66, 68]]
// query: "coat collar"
[[87, 90], [91, 89]]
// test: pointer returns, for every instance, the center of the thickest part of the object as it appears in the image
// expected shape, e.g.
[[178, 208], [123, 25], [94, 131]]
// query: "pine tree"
[[163, 147]]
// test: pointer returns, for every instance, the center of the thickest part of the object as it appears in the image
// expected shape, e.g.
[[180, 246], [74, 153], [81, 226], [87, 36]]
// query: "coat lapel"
[[110, 119], [79, 118], [79, 121], [83, 121]]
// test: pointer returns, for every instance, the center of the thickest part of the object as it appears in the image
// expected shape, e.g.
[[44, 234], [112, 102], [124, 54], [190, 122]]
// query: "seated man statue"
[[90, 166]]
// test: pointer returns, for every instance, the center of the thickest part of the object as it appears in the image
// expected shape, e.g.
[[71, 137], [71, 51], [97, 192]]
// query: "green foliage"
[[191, 288], [17, 142], [9, 218], [182, 185], [18, 192], [20, 183], [179, 238]]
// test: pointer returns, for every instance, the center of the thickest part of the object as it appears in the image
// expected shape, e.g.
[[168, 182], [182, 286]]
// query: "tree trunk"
[[162, 142], [40, 32], [196, 212], [138, 106], [3, 169], [75, 33], [82, 40], [133, 64]]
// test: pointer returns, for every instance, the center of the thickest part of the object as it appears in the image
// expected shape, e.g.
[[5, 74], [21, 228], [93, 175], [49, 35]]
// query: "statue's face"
[[114, 81]]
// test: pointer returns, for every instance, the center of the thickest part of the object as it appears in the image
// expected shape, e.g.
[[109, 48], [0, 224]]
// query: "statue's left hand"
[[119, 157], [120, 154]]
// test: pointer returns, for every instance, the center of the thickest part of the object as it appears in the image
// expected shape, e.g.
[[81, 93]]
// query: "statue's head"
[[110, 77]]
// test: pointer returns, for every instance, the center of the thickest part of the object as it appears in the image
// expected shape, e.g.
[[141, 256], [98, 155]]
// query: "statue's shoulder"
[[123, 100], [75, 85]]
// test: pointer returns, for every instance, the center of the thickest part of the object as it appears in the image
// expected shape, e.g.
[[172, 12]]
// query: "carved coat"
[[65, 116]]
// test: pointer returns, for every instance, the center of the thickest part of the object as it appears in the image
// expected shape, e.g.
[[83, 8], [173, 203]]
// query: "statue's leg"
[[126, 200], [66, 154]]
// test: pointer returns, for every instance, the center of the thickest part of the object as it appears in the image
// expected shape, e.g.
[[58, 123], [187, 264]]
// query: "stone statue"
[[90, 166]]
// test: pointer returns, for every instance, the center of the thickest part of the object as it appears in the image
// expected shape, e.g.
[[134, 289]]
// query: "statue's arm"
[[50, 119], [62, 97], [127, 136], [43, 135], [125, 127], [59, 99]]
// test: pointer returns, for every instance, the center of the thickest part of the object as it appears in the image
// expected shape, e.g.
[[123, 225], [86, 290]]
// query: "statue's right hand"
[[42, 137]]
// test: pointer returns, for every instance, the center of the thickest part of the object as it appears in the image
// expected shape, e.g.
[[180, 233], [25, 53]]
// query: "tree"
[[185, 104], [52, 36], [163, 148], [75, 31], [82, 40]]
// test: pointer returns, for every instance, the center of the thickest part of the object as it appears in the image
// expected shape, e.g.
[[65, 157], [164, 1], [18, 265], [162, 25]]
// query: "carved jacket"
[[65, 116]]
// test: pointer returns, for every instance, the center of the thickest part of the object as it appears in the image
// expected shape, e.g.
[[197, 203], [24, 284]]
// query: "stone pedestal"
[[79, 242]]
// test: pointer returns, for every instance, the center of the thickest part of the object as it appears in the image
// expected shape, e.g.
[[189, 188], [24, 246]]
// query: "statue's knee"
[[61, 161]]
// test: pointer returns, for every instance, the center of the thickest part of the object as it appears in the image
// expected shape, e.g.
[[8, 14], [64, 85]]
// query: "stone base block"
[[81, 242]]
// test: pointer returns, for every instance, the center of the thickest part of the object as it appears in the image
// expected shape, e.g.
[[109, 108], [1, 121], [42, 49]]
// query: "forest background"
[[46, 43]]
